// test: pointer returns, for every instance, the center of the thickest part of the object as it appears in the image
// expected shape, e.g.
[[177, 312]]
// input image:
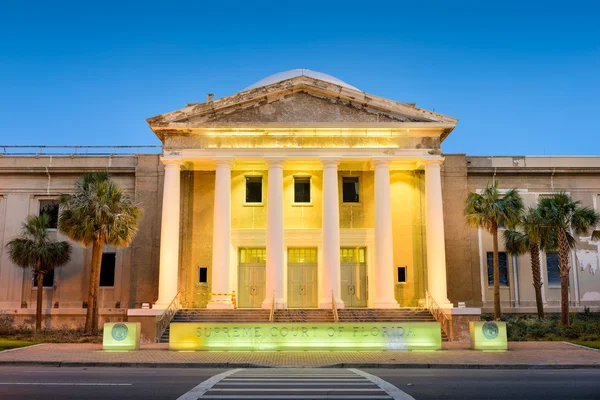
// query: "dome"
[[281, 76]]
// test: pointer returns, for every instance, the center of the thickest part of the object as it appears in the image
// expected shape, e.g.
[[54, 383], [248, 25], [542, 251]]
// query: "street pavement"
[[453, 355], [65, 383]]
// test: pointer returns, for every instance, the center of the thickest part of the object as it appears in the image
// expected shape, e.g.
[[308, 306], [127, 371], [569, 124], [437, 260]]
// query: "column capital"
[[381, 162], [432, 163], [223, 162], [330, 161], [171, 162], [275, 162]]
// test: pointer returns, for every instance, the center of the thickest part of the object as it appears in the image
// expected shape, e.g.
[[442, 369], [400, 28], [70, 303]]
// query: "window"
[[401, 274], [553, 269], [350, 189], [301, 189], [352, 255], [107, 270], [202, 275], [502, 266], [302, 255], [253, 256], [254, 189], [50, 207], [48, 280]]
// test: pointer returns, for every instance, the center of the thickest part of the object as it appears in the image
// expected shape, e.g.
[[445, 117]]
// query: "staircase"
[[301, 316], [224, 316], [384, 315]]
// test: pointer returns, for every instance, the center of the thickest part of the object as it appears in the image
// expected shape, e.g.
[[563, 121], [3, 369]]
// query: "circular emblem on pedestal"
[[119, 332], [490, 330]]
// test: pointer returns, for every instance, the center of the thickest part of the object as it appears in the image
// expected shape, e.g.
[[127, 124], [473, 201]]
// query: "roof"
[[282, 76]]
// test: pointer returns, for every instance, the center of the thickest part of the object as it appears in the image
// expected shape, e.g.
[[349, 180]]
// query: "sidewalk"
[[521, 355]]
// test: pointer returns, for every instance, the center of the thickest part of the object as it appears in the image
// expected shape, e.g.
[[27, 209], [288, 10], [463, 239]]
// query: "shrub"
[[529, 327], [7, 324]]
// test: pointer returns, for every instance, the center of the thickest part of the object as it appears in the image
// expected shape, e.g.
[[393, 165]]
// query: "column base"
[[386, 304], [219, 305], [279, 304], [327, 305], [159, 306]]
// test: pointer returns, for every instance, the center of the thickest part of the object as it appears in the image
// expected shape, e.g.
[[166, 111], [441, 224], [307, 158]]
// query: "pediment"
[[303, 107], [298, 100]]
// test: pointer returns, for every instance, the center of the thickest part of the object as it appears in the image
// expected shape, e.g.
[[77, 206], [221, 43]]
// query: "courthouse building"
[[300, 190]]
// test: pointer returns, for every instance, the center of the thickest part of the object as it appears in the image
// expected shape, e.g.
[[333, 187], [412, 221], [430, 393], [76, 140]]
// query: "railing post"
[[272, 313], [334, 307], [165, 319]]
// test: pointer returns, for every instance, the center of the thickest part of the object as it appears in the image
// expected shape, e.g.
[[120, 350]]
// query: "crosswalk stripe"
[[390, 389], [285, 390], [299, 397], [363, 383], [197, 391], [295, 379], [295, 384]]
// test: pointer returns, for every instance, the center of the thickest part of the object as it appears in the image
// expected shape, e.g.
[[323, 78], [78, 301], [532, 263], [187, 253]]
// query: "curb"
[[71, 364], [21, 348], [581, 346]]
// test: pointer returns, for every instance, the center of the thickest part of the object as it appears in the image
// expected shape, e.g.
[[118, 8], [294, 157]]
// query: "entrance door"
[[302, 278], [354, 276], [252, 277]]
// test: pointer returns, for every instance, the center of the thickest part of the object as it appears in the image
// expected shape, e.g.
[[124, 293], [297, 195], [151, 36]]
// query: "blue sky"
[[523, 77]]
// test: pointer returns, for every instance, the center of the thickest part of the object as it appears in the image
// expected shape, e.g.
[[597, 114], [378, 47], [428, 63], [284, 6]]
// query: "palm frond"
[[516, 243], [34, 249], [584, 218], [491, 209], [99, 210]]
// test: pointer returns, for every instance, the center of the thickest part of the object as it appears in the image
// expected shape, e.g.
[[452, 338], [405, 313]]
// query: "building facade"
[[301, 191]]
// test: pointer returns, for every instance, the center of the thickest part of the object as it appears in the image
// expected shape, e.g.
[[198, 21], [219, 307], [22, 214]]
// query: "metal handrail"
[[163, 321], [438, 314], [336, 318], [272, 313]]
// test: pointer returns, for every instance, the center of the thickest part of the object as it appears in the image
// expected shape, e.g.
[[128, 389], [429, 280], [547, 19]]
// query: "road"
[[20, 383]]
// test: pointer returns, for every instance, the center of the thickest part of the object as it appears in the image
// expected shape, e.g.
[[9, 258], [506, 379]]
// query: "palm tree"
[[34, 249], [532, 238], [565, 216], [490, 210], [99, 212]]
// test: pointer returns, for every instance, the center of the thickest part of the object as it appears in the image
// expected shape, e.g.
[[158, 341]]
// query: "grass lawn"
[[594, 344], [6, 344]]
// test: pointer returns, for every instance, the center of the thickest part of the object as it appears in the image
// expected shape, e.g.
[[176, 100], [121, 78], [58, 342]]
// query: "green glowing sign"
[[121, 336], [488, 335], [306, 336]]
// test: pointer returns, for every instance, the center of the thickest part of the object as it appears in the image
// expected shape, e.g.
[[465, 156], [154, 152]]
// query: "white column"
[[436, 244], [331, 235], [221, 237], [169, 235], [384, 244], [275, 246]]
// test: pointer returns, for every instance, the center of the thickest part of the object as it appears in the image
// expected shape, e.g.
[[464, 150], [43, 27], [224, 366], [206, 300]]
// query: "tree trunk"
[[537, 279], [91, 318], [97, 288], [563, 265], [40, 298], [497, 311]]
